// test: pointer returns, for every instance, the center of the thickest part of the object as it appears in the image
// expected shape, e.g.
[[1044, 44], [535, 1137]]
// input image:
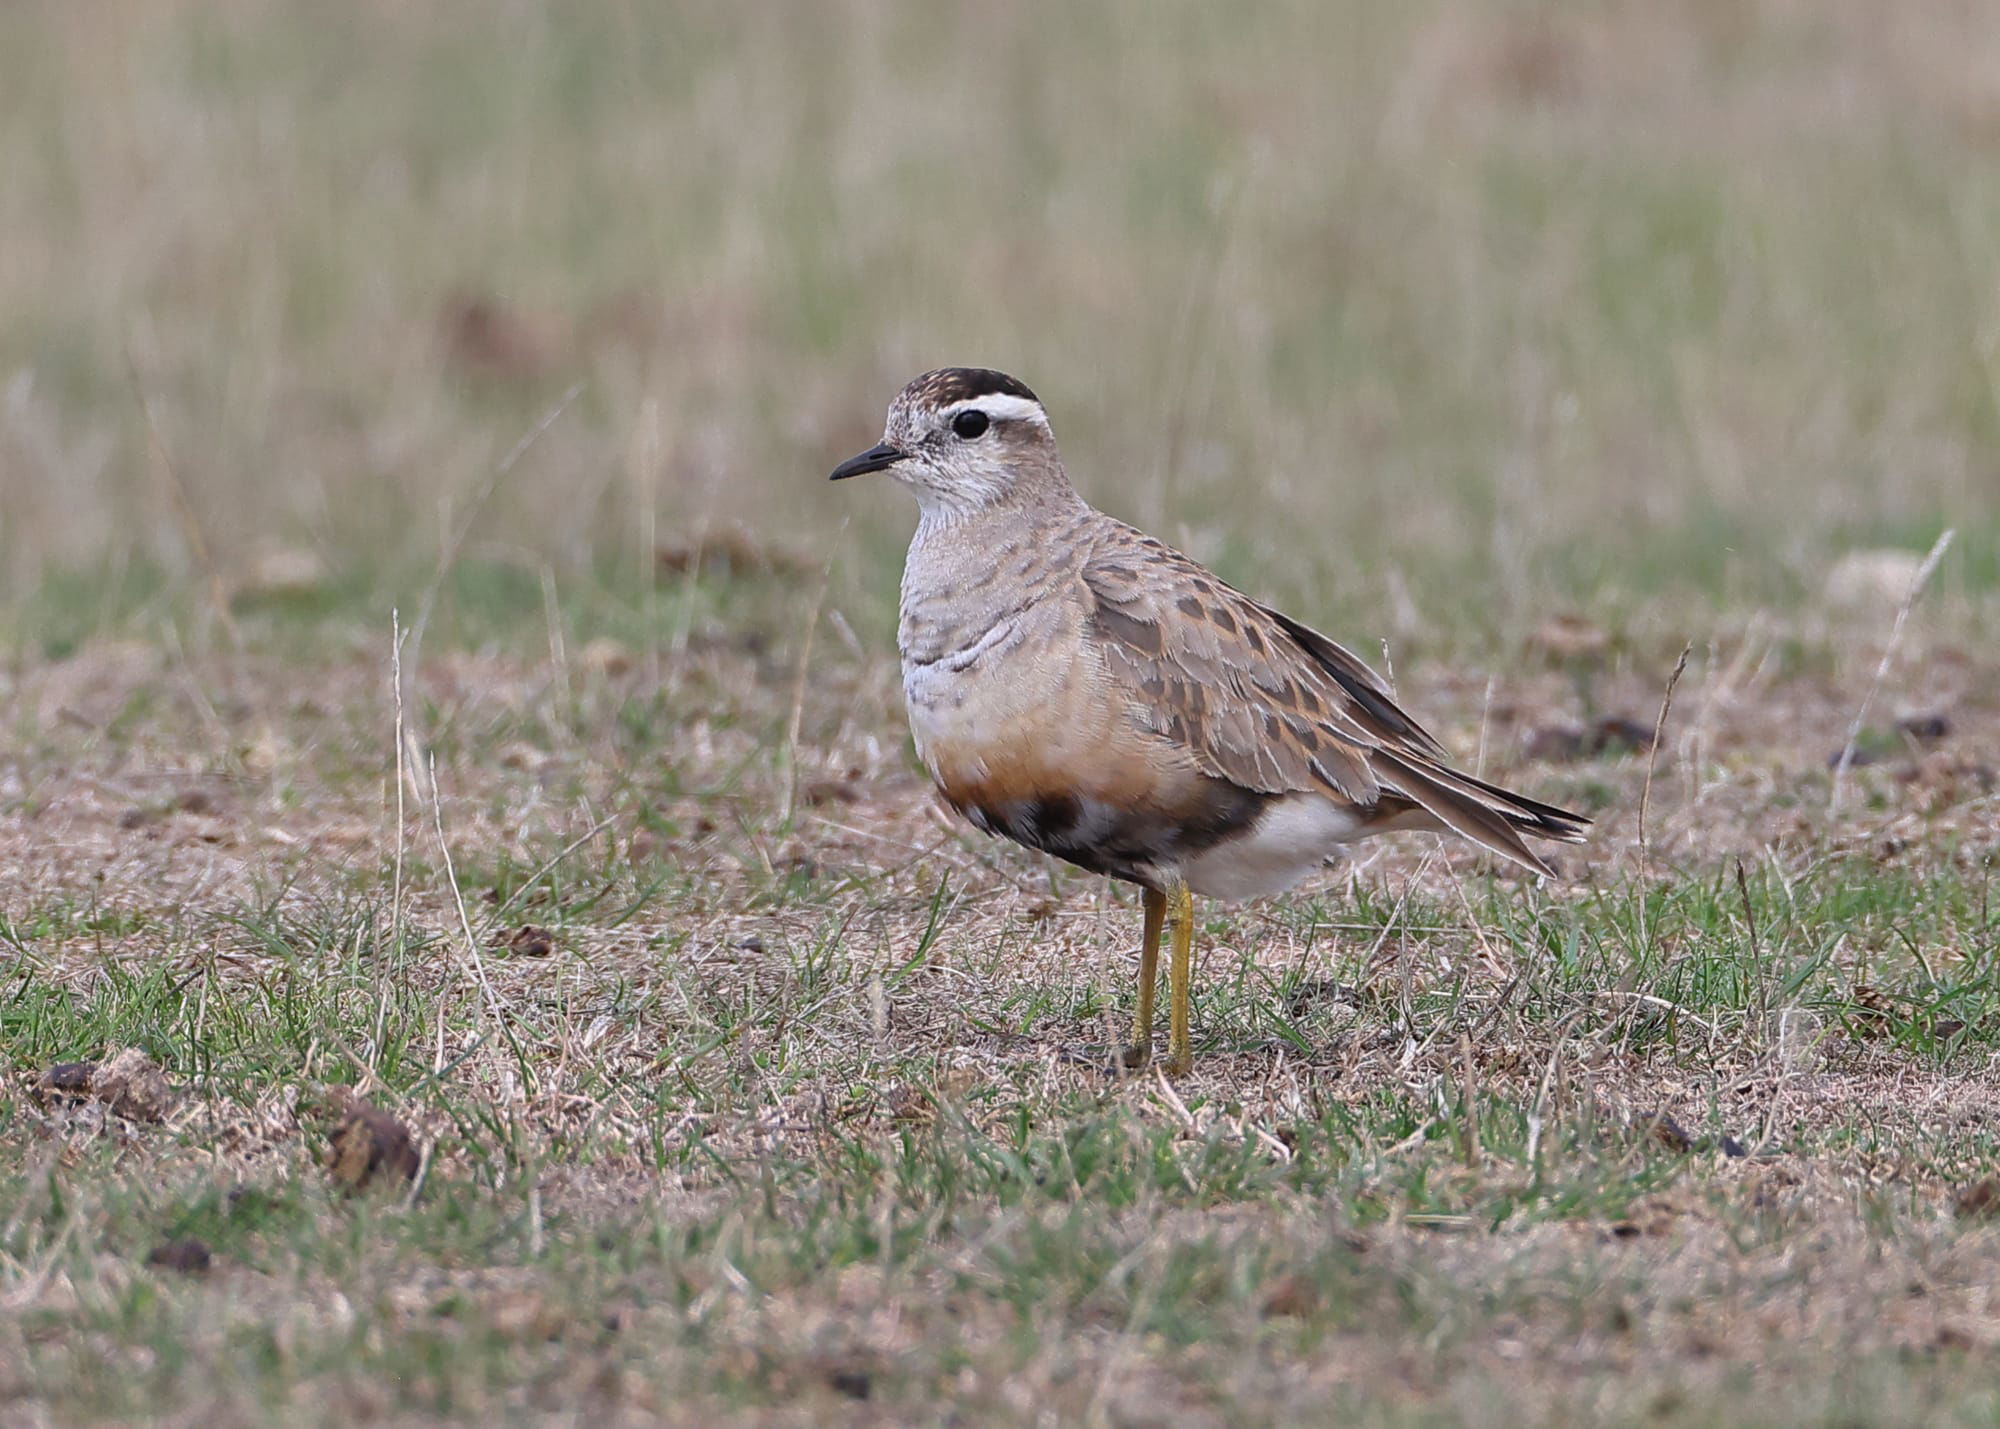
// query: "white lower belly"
[[1295, 836]]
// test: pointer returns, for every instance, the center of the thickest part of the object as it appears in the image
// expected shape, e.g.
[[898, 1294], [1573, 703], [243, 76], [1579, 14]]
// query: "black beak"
[[876, 458]]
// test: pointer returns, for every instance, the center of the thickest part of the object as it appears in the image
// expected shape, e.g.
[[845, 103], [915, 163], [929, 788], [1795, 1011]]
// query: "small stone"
[[728, 552], [520, 755], [1611, 736], [1979, 1201], [1924, 726], [263, 754], [854, 1383], [1648, 1216], [523, 1315], [65, 1082], [605, 656], [1866, 750], [487, 339], [1669, 1133], [194, 801], [185, 1256], [134, 1086], [1291, 1296], [528, 941], [831, 791], [370, 1146]]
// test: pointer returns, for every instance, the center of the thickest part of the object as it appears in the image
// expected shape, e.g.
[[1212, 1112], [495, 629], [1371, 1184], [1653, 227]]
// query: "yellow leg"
[[1141, 1050], [1180, 911]]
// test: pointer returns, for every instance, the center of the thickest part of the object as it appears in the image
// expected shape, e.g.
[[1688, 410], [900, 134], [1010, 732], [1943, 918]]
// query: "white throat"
[[944, 501]]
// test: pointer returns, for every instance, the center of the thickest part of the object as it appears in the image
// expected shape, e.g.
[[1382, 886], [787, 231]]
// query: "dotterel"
[[1083, 689]]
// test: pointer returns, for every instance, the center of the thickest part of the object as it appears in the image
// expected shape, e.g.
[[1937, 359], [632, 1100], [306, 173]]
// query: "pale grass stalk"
[[1779, 1077], [1538, 1113], [549, 867], [201, 1002], [1389, 669], [197, 696], [1485, 723], [30, 1189], [423, 1175], [1165, 1090], [1195, 322], [1129, 1346], [1917, 584], [1471, 918], [558, 647], [643, 467], [1756, 1005], [414, 762], [1406, 990], [474, 960], [796, 718], [1646, 790], [1398, 913], [24, 1295], [183, 508], [1754, 648], [455, 538], [396, 885], [677, 643], [1647, 999], [1468, 1101], [1264, 1139]]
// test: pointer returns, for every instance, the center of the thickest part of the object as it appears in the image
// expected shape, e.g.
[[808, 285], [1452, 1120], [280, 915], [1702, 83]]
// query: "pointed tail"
[[1492, 817]]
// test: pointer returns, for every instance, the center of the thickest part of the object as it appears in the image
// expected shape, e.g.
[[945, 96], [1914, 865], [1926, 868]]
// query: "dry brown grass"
[[780, 1004], [1542, 341]]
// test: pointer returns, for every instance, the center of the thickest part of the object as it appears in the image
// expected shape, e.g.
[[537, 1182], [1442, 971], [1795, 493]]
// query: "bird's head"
[[965, 440]]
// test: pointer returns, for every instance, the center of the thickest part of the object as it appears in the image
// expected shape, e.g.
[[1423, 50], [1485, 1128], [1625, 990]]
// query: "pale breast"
[[1026, 735], [1014, 700]]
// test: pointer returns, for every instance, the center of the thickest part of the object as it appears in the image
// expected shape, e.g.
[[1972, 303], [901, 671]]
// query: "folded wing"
[[1275, 707]]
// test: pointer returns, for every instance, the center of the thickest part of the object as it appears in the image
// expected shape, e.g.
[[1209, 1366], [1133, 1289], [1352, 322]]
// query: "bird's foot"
[[1117, 1062]]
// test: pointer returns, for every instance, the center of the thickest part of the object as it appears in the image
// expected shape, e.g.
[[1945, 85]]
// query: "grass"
[[1455, 286], [797, 1109], [536, 332]]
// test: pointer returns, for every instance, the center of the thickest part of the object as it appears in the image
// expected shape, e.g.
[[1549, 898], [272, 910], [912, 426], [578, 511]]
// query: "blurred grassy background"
[[1421, 317]]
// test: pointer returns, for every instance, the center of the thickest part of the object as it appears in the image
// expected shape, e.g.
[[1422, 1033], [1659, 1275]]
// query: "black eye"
[[969, 424]]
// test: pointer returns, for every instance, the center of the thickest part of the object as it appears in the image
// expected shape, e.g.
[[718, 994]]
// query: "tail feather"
[[1484, 813]]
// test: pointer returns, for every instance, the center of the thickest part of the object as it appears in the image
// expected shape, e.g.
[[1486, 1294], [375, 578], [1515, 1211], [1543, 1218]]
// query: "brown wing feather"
[[1373, 704], [1207, 671], [1273, 706]]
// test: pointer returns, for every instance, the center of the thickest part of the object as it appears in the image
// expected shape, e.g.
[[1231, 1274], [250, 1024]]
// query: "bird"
[[1085, 690]]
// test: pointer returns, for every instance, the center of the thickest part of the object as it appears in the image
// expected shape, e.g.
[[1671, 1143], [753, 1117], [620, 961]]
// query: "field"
[[454, 794]]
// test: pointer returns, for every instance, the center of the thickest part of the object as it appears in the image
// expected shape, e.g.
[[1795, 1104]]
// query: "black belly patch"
[[1121, 843], [1043, 822]]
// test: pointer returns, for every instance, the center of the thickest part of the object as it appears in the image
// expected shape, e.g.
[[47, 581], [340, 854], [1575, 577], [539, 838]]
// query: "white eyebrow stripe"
[[1001, 407]]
